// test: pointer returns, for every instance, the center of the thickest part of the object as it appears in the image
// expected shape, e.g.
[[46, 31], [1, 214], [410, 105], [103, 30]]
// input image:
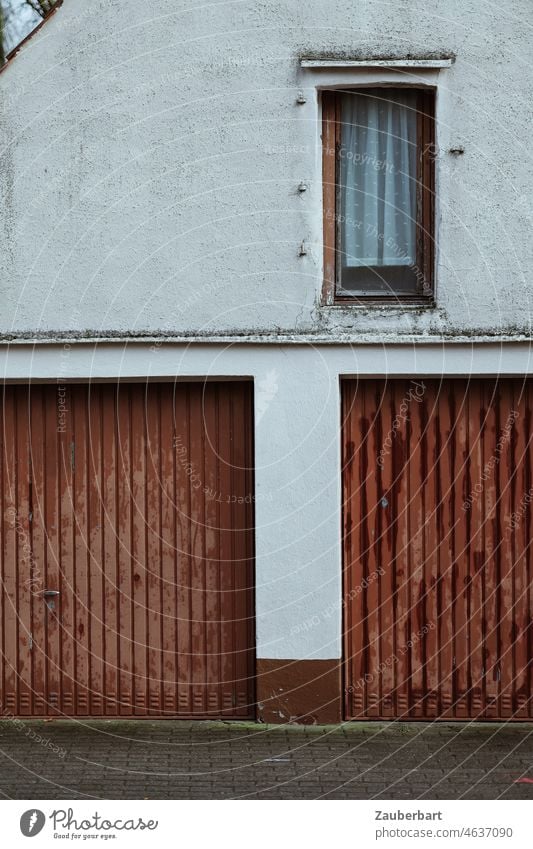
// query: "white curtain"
[[378, 178]]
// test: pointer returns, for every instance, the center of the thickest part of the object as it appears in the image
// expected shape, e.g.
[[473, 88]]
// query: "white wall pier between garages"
[[297, 451]]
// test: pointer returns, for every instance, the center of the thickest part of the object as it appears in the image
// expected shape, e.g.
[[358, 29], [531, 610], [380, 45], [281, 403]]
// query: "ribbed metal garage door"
[[127, 550], [438, 485]]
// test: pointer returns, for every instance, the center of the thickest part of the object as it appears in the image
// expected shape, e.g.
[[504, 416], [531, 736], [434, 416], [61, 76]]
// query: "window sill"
[[384, 304]]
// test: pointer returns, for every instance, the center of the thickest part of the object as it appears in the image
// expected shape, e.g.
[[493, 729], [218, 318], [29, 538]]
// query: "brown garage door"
[[127, 550], [438, 481]]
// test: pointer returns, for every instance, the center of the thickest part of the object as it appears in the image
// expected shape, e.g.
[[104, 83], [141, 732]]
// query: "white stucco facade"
[[150, 165]]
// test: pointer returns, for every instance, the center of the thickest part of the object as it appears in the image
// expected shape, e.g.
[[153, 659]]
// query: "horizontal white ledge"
[[343, 338], [139, 362], [377, 63]]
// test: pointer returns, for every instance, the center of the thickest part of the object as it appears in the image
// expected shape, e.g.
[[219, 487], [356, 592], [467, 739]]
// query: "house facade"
[[240, 478]]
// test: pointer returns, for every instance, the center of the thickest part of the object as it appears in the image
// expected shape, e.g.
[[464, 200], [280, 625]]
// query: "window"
[[378, 155], [18, 20]]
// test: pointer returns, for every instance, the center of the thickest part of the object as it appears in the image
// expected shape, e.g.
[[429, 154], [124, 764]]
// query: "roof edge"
[[16, 50]]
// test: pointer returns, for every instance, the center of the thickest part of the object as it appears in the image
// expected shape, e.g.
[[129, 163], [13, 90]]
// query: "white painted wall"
[[298, 483], [150, 158], [149, 164]]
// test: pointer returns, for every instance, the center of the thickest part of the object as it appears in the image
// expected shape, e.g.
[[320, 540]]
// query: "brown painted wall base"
[[299, 691]]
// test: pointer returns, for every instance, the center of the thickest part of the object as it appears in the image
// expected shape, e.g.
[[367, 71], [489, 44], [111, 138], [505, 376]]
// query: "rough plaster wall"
[[150, 164]]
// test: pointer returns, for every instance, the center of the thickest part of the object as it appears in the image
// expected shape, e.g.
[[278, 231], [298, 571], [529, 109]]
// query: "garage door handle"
[[47, 593]]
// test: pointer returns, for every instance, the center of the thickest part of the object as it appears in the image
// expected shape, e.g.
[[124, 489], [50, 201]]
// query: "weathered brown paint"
[[137, 505], [306, 692], [437, 588]]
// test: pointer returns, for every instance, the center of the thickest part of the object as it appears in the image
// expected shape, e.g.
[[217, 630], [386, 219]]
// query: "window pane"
[[17, 19], [378, 188]]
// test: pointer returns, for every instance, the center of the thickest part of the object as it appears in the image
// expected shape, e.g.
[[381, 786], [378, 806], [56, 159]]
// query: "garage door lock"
[[49, 597]]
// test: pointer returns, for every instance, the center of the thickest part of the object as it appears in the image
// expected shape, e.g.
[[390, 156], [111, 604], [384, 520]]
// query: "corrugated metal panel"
[[135, 503], [437, 535]]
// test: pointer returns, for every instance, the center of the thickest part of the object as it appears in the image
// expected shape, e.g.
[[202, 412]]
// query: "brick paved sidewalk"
[[216, 760]]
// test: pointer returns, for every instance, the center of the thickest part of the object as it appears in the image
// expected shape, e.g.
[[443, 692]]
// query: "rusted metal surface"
[[438, 479], [135, 503]]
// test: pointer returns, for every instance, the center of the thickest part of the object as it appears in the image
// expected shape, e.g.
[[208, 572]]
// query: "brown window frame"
[[425, 223]]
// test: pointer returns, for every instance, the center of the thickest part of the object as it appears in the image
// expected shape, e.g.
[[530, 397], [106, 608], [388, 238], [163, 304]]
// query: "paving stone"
[[209, 760]]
